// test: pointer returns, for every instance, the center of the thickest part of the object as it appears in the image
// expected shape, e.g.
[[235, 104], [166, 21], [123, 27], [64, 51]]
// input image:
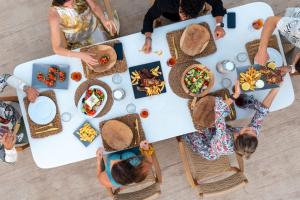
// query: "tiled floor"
[[273, 171]]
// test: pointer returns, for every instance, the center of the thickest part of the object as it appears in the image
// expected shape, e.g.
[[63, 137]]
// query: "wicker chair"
[[146, 190], [16, 128], [203, 174]]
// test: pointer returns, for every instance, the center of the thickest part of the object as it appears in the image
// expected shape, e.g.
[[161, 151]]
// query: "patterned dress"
[[289, 26], [211, 143], [9, 117]]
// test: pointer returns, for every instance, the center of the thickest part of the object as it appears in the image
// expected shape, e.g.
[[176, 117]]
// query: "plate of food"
[[92, 101], [258, 77], [42, 111], [86, 133], [106, 56], [197, 80], [147, 80], [54, 76]]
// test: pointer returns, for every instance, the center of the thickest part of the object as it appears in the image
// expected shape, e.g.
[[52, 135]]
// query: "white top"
[[168, 114]]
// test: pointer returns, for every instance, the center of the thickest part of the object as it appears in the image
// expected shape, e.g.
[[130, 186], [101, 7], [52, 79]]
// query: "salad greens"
[[197, 79]]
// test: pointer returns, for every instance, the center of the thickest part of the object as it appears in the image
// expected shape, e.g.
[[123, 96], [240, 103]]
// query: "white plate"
[[99, 108], [42, 111], [274, 56]]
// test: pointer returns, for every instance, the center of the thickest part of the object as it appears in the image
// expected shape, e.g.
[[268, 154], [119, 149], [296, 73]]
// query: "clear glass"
[[131, 108], [117, 79], [242, 57], [66, 117], [226, 83]]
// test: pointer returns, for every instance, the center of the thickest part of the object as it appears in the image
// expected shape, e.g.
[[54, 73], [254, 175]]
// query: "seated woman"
[[288, 26], [177, 10], [211, 143], [124, 167], [10, 119], [74, 24]]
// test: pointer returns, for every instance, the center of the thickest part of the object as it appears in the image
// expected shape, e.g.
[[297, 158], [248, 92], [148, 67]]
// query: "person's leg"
[[293, 59]]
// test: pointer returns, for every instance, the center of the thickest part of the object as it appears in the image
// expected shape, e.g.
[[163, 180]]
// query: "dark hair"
[[245, 145], [124, 172], [58, 2], [191, 8], [297, 65]]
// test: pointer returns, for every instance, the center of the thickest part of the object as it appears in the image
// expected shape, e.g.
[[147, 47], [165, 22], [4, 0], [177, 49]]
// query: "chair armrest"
[[157, 168], [240, 161], [9, 98], [185, 163]]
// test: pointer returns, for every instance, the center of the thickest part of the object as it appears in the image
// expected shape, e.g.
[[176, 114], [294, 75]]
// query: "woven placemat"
[[224, 93], [129, 120], [85, 85], [120, 66], [175, 78], [182, 57], [252, 47], [35, 128]]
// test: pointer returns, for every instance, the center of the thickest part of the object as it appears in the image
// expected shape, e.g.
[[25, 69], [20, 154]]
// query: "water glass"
[[116, 79], [131, 108]]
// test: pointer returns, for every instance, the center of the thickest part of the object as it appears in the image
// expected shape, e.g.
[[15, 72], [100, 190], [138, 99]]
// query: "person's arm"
[[8, 140], [218, 12], [267, 102], [57, 42], [18, 84], [153, 13], [268, 29], [262, 109], [97, 10]]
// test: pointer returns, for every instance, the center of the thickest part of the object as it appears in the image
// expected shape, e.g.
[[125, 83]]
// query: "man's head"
[[245, 142], [190, 8]]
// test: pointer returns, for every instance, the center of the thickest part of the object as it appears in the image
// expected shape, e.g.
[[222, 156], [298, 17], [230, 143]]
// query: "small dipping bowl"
[[118, 94]]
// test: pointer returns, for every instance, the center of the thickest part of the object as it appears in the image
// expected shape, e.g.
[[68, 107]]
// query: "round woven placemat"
[[175, 78], [85, 85]]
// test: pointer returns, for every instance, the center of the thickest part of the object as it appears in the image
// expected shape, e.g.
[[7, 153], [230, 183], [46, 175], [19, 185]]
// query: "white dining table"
[[169, 115]]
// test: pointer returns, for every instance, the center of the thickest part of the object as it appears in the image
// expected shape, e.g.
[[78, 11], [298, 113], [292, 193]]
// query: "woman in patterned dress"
[[211, 143], [288, 27], [74, 24]]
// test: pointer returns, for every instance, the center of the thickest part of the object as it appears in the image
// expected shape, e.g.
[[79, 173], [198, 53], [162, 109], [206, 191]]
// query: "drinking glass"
[[66, 117], [171, 62], [241, 57], [131, 108], [144, 113], [116, 79], [226, 83]]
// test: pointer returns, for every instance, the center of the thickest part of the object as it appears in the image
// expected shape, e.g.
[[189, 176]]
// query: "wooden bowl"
[[117, 134], [203, 113], [101, 50], [205, 92]]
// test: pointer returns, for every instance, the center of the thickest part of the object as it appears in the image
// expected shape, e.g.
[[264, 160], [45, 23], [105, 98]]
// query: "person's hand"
[[219, 32], [99, 153], [147, 46], [31, 93], [237, 89], [8, 141], [261, 57], [144, 145], [285, 69], [110, 26], [88, 58]]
